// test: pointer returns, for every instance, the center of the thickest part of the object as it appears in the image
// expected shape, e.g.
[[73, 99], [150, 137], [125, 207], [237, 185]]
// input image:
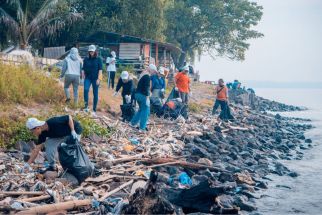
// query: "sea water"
[[304, 195]]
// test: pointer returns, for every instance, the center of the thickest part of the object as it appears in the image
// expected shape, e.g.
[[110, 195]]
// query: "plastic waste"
[[184, 179], [134, 141]]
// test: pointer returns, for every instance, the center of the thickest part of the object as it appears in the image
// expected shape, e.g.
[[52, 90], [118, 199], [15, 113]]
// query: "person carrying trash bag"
[[182, 84], [142, 98], [51, 133], [222, 100], [127, 85], [72, 70]]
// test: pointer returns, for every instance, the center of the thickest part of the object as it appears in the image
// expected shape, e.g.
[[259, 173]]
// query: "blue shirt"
[[91, 67], [157, 82]]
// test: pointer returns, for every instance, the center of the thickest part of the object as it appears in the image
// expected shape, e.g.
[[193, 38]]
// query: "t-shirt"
[[111, 64], [58, 127], [222, 93], [144, 85], [91, 67], [182, 82]]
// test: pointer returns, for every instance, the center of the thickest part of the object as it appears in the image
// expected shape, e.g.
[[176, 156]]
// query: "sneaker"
[[50, 168], [86, 109], [94, 114], [67, 101]]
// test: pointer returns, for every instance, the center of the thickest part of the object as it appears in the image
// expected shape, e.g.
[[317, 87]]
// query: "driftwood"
[[173, 162], [116, 190], [19, 193], [44, 209], [34, 199]]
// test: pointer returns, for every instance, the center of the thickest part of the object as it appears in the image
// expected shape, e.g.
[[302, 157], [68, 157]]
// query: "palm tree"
[[51, 16]]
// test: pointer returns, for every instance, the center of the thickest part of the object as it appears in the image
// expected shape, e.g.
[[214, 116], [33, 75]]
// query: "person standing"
[[72, 69], [51, 133], [111, 69], [142, 98], [92, 74], [127, 85], [221, 92], [158, 84], [182, 84]]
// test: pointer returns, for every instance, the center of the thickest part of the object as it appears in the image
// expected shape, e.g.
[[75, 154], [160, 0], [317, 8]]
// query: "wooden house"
[[132, 51]]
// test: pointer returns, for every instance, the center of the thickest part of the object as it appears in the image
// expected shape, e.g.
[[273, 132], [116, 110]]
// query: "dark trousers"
[[111, 79], [218, 103]]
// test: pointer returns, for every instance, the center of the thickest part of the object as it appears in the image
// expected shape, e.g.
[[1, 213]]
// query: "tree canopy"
[[220, 28]]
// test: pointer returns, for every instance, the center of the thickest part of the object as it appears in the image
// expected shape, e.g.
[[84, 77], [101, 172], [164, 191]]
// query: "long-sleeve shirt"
[[128, 87], [144, 85], [157, 82], [91, 67]]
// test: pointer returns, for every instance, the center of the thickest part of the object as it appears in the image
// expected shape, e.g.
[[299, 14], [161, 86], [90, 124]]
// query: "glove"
[[176, 89], [115, 94], [74, 134], [147, 101], [61, 79], [162, 90]]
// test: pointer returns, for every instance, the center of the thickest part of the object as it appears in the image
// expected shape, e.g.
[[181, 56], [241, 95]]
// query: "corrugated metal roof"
[[54, 52]]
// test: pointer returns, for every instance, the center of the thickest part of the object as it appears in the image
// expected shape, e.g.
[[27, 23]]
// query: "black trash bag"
[[74, 160], [128, 112], [225, 113], [155, 105], [200, 198], [174, 108]]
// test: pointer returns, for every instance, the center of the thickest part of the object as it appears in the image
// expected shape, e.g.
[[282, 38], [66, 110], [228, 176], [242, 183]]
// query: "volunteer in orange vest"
[[182, 84], [221, 96]]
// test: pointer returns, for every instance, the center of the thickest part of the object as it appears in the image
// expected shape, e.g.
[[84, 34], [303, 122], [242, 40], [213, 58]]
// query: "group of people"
[[151, 83]]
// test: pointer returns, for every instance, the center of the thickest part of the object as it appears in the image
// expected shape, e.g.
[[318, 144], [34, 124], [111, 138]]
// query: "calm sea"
[[305, 195]]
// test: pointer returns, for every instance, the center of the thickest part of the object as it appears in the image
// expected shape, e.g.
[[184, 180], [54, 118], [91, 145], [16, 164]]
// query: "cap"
[[92, 48], [185, 68], [153, 67], [34, 123], [124, 75]]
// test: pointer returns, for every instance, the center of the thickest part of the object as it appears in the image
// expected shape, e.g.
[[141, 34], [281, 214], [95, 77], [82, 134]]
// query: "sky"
[[290, 51]]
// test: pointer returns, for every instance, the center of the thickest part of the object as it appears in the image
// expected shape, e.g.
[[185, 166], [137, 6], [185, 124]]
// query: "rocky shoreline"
[[199, 165]]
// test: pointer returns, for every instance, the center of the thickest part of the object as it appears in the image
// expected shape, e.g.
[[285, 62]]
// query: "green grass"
[[23, 85]]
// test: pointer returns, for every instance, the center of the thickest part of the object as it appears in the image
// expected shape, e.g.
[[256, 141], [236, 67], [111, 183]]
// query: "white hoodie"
[[72, 63]]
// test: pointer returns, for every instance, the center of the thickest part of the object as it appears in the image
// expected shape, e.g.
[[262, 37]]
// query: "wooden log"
[[116, 190], [44, 209], [19, 193]]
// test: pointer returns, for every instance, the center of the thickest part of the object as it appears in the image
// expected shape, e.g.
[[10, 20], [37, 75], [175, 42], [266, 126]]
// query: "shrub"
[[23, 85]]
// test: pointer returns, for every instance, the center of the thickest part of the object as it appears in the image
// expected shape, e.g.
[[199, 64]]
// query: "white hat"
[[34, 123], [124, 75], [161, 70], [113, 53], [153, 67], [92, 48], [185, 68]]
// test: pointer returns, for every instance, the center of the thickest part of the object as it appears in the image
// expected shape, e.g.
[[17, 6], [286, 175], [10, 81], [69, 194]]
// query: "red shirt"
[[182, 82]]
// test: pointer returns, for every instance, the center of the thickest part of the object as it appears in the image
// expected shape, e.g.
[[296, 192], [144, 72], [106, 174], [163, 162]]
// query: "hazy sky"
[[290, 51]]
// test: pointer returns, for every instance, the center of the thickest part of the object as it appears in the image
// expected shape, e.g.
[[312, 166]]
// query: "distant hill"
[[272, 84]]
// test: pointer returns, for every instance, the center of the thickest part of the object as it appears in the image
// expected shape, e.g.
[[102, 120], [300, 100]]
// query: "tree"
[[27, 19], [221, 27]]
